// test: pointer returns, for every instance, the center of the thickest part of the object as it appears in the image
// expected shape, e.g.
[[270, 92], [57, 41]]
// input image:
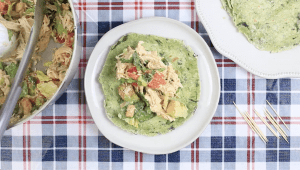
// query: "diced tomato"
[[133, 76], [37, 81], [131, 70], [135, 84], [32, 101], [3, 7], [60, 40], [158, 79], [70, 39], [53, 79]]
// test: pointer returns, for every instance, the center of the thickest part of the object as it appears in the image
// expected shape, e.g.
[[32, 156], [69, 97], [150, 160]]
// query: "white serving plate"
[[234, 45], [209, 79]]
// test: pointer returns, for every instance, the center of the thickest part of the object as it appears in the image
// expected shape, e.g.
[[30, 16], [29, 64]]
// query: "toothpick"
[[250, 124], [255, 125], [277, 114], [265, 122], [276, 121], [274, 124]]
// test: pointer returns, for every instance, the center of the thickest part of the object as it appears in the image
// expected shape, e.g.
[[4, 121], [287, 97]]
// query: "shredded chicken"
[[44, 36], [4, 83], [121, 69], [130, 111], [154, 61], [155, 104], [173, 82]]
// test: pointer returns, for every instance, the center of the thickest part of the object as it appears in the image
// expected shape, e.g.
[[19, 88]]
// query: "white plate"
[[209, 79], [234, 45]]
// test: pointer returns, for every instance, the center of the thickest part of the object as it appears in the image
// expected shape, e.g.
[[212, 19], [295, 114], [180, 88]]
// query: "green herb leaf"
[[11, 70], [165, 61], [1, 66], [24, 91], [148, 77], [60, 28], [10, 9], [127, 80], [58, 7], [161, 69], [126, 60], [27, 2], [142, 112], [10, 34], [47, 64], [136, 61], [30, 10]]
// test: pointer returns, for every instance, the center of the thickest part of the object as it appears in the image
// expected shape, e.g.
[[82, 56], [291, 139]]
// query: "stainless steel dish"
[[47, 56]]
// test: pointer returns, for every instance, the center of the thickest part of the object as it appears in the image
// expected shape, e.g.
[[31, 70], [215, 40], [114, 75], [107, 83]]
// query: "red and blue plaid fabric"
[[64, 136]]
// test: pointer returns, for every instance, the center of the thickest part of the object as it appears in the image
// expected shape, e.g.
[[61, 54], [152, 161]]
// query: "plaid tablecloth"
[[64, 136]]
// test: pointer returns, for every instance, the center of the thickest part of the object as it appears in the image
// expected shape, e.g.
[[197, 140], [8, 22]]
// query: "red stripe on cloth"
[[141, 8], [192, 156], [228, 65], [253, 136], [192, 16], [229, 118], [255, 118], [136, 155], [141, 161], [136, 9], [197, 23], [248, 129], [223, 60], [130, 3], [62, 117], [197, 154], [28, 139], [24, 146], [244, 123], [62, 122]]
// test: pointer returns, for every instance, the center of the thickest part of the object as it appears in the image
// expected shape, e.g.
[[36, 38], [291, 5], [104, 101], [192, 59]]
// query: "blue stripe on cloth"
[[6, 141], [230, 142], [285, 84], [48, 155], [117, 155], [61, 141], [103, 142], [160, 158], [229, 156], [284, 156], [216, 156], [103, 155], [47, 141], [271, 155], [61, 155], [174, 157], [216, 142]]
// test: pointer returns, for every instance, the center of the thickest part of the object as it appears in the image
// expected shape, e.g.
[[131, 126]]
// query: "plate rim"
[[236, 59], [95, 54]]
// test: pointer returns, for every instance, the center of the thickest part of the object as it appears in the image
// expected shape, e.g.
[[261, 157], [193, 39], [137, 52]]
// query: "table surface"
[[64, 135]]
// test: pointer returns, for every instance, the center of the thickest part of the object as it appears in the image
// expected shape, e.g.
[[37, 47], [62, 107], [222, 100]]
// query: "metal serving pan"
[[47, 56]]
